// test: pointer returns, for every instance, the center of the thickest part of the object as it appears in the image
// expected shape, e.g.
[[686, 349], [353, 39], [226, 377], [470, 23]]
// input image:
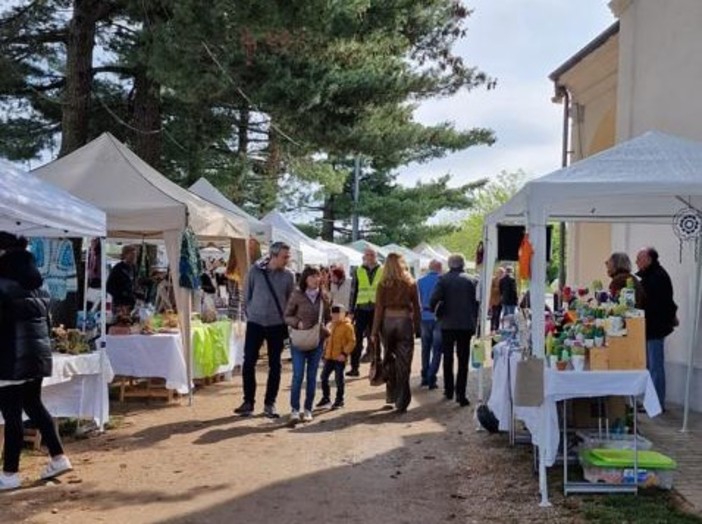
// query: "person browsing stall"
[[25, 359], [269, 285], [363, 294], [340, 344], [431, 330], [619, 270]]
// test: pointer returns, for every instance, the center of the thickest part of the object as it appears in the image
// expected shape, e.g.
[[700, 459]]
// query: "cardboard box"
[[585, 413], [626, 352]]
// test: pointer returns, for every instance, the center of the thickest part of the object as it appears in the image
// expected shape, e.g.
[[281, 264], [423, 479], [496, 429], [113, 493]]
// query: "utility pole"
[[356, 195]]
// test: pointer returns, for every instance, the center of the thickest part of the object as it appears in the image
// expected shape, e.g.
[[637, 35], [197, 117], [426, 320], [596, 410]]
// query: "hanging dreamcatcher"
[[687, 226]]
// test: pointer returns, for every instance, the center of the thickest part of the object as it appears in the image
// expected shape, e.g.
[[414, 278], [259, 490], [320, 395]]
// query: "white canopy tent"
[[352, 258], [285, 231], [647, 180], [33, 208], [362, 245], [205, 190], [141, 203], [428, 253]]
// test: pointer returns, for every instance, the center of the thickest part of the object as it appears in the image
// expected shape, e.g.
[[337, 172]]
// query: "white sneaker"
[[57, 467], [11, 481], [294, 416], [307, 417]]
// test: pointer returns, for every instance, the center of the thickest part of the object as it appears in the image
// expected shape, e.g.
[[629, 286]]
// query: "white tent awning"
[[31, 207]]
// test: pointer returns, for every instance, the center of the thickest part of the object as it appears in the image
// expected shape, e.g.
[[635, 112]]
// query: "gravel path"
[[179, 464]]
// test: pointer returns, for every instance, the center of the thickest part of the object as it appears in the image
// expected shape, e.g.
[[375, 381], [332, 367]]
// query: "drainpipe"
[[562, 93]]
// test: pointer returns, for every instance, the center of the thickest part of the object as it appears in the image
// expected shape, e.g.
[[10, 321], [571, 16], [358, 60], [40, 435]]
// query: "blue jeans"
[[655, 363], [508, 310], [304, 362], [431, 351]]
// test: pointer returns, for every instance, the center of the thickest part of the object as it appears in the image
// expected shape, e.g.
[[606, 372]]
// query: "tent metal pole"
[[694, 339], [85, 287]]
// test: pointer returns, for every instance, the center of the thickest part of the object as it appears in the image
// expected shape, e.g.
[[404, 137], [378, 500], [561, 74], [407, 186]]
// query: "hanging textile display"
[[190, 263], [57, 265], [479, 254], [526, 252], [94, 267], [233, 266]]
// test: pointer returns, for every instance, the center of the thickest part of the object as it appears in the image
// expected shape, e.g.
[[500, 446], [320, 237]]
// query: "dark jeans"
[[363, 320], [275, 339], [495, 312], [398, 341], [655, 363], [431, 351], [25, 397], [460, 339], [305, 364], [336, 367]]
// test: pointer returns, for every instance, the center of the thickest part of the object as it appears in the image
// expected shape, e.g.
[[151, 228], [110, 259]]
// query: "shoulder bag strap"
[[275, 297]]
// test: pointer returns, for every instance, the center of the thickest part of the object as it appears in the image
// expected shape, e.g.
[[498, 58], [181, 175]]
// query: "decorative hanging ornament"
[[687, 226]]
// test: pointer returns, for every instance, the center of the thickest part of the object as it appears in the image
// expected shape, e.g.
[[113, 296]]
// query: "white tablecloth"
[[78, 387], [500, 401], [542, 421], [150, 356]]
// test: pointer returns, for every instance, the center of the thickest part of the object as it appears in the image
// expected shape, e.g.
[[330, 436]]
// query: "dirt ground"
[[200, 464]]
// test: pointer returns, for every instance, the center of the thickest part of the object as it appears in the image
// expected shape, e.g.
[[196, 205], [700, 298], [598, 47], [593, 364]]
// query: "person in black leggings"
[[25, 358]]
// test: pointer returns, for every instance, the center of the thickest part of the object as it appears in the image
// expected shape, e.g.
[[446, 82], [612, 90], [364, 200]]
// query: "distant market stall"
[[142, 204]]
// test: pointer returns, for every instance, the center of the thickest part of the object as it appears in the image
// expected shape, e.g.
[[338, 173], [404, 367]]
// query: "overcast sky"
[[520, 42]]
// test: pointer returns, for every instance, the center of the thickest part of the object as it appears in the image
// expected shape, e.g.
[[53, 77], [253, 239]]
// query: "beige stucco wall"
[[659, 78], [592, 84]]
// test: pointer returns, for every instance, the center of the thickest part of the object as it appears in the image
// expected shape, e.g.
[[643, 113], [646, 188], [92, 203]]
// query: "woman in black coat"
[[25, 359]]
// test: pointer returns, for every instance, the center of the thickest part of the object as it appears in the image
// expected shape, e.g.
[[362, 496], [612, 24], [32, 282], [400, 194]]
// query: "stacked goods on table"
[[595, 333], [69, 341], [145, 323]]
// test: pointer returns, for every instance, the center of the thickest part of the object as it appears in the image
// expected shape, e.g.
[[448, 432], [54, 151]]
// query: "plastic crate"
[[595, 439], [596, 470]]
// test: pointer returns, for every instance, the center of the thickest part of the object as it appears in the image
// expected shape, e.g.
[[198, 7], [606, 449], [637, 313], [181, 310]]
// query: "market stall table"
[[150, 356], [217, 348]]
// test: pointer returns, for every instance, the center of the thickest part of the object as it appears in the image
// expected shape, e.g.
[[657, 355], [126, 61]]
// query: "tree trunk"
[[147, 119], [243, 132], [75, 122], [269, 189], [79, 62], [328, 219]]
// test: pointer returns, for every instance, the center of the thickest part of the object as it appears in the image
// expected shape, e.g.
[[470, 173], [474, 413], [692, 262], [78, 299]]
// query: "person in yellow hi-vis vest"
[[363, 291]]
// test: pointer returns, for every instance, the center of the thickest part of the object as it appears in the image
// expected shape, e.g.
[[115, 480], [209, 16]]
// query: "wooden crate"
[[621, 353]]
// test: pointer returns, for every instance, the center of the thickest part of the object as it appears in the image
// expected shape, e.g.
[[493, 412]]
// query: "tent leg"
[[85, 288]]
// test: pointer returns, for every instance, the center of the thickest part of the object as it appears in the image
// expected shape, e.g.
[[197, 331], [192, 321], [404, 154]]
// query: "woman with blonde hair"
[[397, 321]]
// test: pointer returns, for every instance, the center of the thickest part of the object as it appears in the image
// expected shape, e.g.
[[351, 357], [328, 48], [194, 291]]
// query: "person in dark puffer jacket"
[[25, 359]]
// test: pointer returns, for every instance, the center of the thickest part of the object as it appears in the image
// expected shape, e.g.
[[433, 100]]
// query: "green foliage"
[[496, 192], [650, 507]]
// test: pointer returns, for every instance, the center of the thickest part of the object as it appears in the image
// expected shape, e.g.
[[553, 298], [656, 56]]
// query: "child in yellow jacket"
[[339, 345]]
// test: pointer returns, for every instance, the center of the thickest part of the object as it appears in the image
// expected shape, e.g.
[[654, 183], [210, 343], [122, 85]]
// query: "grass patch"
[[650, 507]]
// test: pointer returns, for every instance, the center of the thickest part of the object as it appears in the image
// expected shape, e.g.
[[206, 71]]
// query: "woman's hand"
[[341, 358], [300, 325], [326, 331]]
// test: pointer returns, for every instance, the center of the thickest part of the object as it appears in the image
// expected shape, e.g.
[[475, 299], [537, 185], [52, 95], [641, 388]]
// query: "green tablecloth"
[[210, 346]]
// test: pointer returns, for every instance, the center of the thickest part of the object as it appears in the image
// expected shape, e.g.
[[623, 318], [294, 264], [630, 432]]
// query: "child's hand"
[[341, 358]]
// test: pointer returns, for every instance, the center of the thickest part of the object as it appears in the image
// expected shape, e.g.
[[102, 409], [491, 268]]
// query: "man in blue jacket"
[[431, 332]]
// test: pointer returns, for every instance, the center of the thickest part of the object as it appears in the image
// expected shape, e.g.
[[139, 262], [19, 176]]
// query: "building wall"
[[659, 75]]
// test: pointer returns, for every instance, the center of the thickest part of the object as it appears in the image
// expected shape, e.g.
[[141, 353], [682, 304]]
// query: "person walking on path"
[[508, 292], [397, 321], [455, 295], [25, 359], [363, 294], [338, 347], [308, 308], [269, 285], [661, 314], [340, 288], [496, 300], [431, 331]]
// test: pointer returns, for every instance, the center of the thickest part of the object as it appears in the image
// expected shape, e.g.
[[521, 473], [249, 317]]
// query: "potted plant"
[[578, 358], [599, 336], [554, 355]]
